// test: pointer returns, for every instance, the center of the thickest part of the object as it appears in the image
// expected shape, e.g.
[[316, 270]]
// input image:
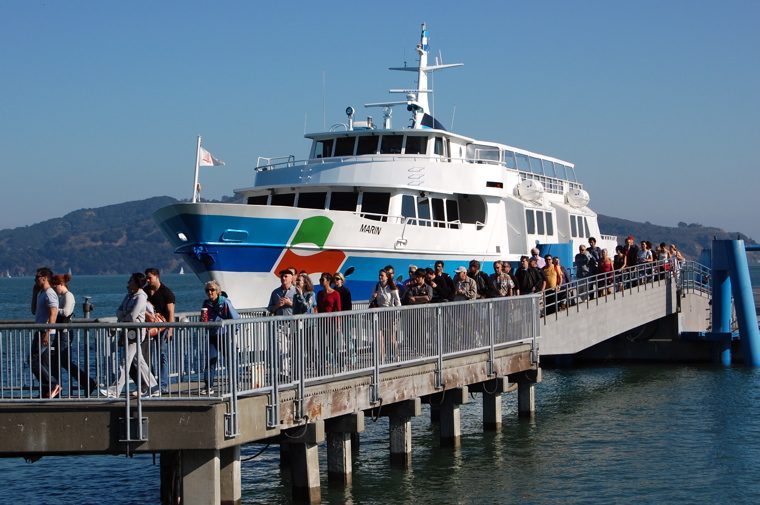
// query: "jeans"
[[62, 360], [160, 359], [209, 372], [41, 361]]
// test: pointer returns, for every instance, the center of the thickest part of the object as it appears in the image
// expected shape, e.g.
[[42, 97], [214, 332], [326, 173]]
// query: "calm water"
[[607, 434]]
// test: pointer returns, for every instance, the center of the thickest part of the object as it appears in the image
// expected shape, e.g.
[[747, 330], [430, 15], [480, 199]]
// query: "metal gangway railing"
[[256, 354], [690, 277]]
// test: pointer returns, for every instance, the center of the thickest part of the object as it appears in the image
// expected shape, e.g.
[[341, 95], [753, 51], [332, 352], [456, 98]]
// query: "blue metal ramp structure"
[[732, 291]]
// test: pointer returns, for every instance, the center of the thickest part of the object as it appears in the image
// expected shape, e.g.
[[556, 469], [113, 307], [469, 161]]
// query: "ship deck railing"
[[566, 299], [552, 183], [265, 355]]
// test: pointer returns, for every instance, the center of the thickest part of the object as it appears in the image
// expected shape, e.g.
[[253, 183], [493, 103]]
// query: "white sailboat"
[[8, 274], [182, 270]]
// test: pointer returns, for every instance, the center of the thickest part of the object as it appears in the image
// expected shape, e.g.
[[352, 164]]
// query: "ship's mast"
[[417, 99]]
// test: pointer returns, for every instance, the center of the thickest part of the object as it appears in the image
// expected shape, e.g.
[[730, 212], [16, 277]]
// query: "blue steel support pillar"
[[721, 301], [730, 258]]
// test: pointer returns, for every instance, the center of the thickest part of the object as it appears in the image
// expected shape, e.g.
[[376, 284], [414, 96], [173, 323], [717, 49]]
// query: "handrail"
[[260, 354], [690, 277]]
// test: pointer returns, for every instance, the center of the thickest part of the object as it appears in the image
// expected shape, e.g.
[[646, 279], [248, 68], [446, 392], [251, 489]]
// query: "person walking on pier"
[[62, 348], [132, 310], [220, 342], [45, 312], [163, 300]]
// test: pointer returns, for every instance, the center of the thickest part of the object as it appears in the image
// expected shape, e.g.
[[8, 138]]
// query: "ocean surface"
[[608, 434]]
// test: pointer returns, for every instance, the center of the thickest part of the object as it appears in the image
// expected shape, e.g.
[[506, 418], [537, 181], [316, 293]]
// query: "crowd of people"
[[146, 300], [596, 273]]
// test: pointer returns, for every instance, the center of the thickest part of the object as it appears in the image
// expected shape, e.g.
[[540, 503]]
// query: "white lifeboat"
[[529, 190], [577, 198]]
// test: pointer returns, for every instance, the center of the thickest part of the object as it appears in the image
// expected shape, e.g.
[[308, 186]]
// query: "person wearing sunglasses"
[[219, 307]]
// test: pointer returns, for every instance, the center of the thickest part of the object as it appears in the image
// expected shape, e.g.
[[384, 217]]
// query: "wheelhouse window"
[[344, 146], [312, 200], [323, 148], [284, 199], [367, 145], [375, 205], [391, 144], [344, 200], [416, 145]]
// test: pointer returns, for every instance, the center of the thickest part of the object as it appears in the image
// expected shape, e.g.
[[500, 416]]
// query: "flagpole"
[[197, 162]]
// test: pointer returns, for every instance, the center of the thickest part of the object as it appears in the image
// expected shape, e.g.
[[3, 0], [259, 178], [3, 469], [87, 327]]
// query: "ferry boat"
[[370, 195]]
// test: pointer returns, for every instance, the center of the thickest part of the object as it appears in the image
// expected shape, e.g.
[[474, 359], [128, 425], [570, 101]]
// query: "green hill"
[[116, 239], [689, 238]]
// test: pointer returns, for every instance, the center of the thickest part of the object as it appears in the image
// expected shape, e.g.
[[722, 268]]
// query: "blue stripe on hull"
[[200, 228]]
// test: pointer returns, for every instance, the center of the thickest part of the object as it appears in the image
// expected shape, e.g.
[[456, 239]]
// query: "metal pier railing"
[[257, 354]]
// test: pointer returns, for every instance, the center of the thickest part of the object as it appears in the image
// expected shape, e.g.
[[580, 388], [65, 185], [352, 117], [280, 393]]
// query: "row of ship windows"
[[579, 226], [373, 144], [416, 210], [540, 222], [362, 145]]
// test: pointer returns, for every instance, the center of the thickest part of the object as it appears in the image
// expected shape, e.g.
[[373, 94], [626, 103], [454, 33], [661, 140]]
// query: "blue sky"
[[655, 102]]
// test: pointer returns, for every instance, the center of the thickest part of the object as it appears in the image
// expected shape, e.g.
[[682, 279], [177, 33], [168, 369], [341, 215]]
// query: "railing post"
[[439, 342], [232, 426], [377, 352], [491, 337], [273, 409]]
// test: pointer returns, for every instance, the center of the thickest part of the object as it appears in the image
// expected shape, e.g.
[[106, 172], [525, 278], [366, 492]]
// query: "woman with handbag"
[[132, 310], [386, 294]]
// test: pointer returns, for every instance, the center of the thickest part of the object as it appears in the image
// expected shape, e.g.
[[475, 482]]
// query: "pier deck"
[[305, 380]]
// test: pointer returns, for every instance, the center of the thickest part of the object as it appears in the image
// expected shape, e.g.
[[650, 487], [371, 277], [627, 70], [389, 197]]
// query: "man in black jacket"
[[480, 278]]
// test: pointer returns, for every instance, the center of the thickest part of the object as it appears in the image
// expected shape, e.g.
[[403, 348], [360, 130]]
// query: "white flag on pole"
[[206, 160]]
